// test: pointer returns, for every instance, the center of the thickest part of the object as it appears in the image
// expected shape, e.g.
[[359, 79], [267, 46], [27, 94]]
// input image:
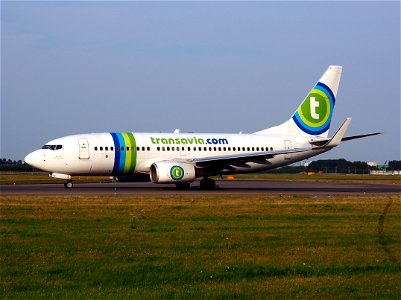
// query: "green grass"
[[200, 247]]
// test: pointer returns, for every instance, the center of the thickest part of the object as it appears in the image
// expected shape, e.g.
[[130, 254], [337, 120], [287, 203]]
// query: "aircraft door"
[[287, 146], [83, 148]]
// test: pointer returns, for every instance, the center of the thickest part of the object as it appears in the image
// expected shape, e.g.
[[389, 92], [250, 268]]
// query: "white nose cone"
[[33, 159], [29, 158]]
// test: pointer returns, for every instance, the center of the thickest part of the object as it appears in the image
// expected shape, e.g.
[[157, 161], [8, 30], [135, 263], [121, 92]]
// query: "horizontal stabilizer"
[[353, 137], [336, 139], [321, 142]]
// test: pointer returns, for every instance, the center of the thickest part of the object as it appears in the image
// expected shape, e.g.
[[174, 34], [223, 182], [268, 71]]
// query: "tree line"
[[345, 166], [15, 165]]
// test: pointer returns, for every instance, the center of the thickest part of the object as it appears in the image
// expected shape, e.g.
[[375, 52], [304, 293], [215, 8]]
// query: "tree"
[[394, 165]]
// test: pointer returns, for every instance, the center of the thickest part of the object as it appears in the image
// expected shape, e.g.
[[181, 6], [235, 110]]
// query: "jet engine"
[[172, 172]]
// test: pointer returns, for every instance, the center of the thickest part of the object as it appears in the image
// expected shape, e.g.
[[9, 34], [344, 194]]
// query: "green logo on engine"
[[176, 172]]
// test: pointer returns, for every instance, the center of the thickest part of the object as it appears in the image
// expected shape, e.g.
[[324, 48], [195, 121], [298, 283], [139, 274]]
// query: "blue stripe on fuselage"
[[122, 153], [116, 153]]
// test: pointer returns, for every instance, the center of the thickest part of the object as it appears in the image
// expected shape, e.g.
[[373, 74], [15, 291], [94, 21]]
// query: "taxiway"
[[224, 188]]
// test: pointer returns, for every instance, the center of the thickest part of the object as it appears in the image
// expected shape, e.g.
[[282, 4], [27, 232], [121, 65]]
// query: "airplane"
[[179, 158]]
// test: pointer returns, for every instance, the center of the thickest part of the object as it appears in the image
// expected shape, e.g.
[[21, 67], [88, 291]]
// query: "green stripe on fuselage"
[[128, 149], [133, 152]]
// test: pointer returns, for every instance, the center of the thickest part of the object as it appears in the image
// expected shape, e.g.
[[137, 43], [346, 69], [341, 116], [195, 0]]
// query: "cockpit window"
[[52, 147]]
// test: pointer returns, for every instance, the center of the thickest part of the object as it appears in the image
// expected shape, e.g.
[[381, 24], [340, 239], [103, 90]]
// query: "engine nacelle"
[[172, 172]]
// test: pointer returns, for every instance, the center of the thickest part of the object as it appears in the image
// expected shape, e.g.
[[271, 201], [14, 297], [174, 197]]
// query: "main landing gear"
[[68, 184], [183, 185], [207, 184]]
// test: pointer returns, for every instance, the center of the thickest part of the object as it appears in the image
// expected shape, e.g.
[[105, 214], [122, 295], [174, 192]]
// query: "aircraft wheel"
[[183, 185], [207, 184], [68, 184]]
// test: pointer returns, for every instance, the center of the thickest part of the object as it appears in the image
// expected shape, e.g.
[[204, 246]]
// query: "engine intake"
[[172, 172]]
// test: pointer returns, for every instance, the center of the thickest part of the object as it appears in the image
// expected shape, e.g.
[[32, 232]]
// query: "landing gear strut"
[[68, 184], [207, 184]]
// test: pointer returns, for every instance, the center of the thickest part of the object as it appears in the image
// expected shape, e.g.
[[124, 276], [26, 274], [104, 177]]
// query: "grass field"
[[201, 247], [39, 177]]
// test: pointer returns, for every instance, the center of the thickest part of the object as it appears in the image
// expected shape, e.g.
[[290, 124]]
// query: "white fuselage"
[[100, 154]]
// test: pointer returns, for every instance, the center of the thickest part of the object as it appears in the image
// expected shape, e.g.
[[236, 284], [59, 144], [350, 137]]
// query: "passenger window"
[[194, 148], [95, 148], [122, 149], [233, 148], [262, 149], [112, 148], [243, 148], [163, 149], [189, 148], [158, 148], [210, 148], [168, 148], [117, 149], [257, 148], [101, 148], [148, 148], [143, 148], [253, 148], [215, 148], [219, 148], [106, 148], [200, 148], [229, 148], [224, 148], [271, 148], [172, 148]]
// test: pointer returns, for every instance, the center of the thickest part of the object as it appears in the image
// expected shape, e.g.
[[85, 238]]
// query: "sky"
[[81, 67]]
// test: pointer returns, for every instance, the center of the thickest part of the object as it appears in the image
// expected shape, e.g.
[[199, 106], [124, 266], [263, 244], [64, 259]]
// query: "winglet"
[[336, 139]]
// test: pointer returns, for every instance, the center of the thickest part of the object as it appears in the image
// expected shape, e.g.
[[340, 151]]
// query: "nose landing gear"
[[68, 184]]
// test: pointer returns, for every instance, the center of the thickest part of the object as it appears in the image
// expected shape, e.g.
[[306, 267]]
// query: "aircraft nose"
[[33, 159]]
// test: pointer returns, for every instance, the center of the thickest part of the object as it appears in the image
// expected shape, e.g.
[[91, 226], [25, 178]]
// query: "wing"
[[257, 157]]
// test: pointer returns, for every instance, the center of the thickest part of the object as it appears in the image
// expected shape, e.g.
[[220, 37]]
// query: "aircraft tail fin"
[[313, 116]]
